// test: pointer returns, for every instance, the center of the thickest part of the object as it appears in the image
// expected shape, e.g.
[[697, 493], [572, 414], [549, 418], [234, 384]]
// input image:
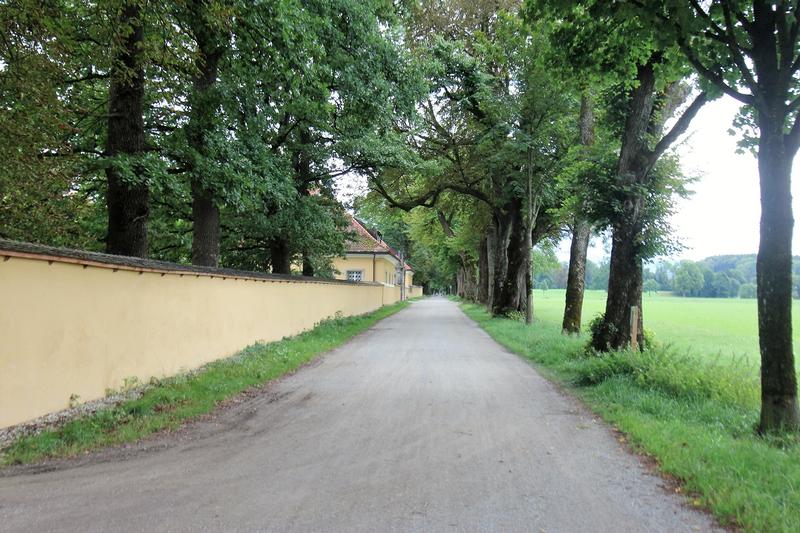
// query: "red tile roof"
[[363, 240]]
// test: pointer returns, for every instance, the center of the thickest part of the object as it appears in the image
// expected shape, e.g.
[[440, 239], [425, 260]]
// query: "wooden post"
[[634, 327]]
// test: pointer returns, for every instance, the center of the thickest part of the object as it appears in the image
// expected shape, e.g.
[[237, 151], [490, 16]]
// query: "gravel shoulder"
[[423, 423]]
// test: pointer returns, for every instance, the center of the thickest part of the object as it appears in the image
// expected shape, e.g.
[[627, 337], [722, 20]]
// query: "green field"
[[725, 327]]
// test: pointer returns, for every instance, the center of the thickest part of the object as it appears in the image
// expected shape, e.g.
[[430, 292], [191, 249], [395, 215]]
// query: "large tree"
[[41, 87], [209, 22], [581, 230], [625, 54], [750, 50], [127, 194]]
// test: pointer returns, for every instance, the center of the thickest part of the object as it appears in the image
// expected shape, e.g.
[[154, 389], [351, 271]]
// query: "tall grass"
[[695, 415]]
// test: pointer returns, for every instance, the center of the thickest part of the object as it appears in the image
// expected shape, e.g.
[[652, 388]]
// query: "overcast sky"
[[722, 215]]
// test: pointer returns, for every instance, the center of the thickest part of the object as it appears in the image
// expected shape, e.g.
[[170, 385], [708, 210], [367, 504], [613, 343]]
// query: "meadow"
[[724, 328]]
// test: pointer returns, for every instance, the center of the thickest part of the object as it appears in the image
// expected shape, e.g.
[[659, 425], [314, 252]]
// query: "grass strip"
[[694, 416], [170, 402]]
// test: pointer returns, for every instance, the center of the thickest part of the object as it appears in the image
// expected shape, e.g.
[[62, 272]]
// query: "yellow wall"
[[342, 265], [384, 268], [69, 329], [391, 293], [386, 271]]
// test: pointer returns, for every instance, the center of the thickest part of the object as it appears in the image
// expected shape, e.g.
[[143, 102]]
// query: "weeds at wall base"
[[168, 403]]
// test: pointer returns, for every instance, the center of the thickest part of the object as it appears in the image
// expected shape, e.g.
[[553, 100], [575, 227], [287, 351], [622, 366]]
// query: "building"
[[370, 259]]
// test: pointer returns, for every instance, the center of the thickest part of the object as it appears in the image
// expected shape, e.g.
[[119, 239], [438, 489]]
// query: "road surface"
[[423, 423]]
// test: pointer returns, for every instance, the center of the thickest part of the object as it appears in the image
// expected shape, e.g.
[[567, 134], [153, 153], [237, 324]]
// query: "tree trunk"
[[625, 270], [779, 409], [576, 278], [529, 223], [483, 271], [204, 106], [206, 230], [509, 294], [308, 268], [460, 291], [492, 236], [466, 282], [469, 279], [581, 232], [127, 198], [624, 291], [280, 257]]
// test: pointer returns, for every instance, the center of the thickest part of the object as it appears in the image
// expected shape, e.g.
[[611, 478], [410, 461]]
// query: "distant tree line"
[[723, 276]]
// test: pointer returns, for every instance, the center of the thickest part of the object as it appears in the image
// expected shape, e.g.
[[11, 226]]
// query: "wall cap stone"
[[52, 254]]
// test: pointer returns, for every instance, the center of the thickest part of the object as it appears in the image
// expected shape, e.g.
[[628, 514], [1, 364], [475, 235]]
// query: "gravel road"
[[423, 423]]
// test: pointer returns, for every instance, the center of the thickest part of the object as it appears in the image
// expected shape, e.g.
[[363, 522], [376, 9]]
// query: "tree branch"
[[90, 76], [712, 75], [448, 230], [678, 128], [736, 49], [427, 199]]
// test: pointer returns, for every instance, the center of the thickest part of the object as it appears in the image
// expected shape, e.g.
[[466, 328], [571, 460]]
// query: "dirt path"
[[421, 424]]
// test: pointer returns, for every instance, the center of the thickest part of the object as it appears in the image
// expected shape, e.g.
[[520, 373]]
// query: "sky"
[[722, 216]]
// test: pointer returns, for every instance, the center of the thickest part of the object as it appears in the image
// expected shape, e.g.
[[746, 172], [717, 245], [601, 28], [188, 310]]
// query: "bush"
[[678, 375], [650, 341], [517, 316], [600, 333]]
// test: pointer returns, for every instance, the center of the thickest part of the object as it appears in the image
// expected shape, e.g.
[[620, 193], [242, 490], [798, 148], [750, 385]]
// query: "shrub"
[[678, 375], [600, 333], [517, 316]]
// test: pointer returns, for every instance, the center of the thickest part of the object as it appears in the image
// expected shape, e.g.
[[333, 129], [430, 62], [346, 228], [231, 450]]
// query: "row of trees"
[[208, 131], [524, 134], [559, 116], [212, 130], [696, 279]]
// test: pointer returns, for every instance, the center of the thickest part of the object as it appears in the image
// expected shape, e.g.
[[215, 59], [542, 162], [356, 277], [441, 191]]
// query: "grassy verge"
[[695, 417], [170, 402]]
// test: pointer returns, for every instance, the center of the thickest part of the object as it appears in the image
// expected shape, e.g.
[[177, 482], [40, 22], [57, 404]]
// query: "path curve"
[[423, 423]]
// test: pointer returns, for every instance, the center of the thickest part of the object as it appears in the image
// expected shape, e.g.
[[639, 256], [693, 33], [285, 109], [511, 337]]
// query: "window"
[[355, 275]]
